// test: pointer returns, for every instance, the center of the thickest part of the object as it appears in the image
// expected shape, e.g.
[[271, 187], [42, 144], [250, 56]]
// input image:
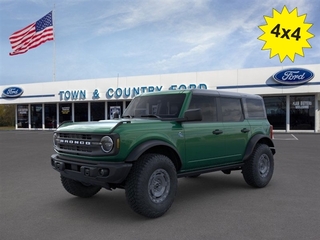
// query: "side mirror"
[[193, 115]]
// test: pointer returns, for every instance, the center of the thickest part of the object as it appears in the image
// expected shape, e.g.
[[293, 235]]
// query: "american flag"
[[32, 35]]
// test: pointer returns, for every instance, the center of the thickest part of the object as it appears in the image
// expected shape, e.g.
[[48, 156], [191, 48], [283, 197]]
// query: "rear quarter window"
[[255, 108]]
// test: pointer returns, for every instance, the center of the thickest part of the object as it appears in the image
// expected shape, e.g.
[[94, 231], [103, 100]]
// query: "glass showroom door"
[[50, 115], [36, 115], [302, 112], [276, 111]]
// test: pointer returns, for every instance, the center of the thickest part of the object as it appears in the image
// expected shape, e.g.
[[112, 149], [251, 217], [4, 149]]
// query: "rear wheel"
[[151, 185], [79, 189], [258, 169]]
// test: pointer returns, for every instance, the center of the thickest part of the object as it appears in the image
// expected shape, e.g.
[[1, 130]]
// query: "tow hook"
[[59, 165]]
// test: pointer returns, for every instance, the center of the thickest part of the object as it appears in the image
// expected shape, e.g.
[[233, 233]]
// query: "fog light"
[[104, 172], [87, 172]]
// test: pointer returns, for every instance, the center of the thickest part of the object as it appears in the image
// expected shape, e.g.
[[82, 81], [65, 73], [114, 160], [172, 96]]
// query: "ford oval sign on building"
[[12, 92], [293, 76]]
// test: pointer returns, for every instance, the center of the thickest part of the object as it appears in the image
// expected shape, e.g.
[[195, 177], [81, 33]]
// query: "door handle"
[[245, 130], [217, 132]]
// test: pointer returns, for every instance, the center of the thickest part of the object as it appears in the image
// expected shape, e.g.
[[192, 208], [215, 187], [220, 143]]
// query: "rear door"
[[236, 129]]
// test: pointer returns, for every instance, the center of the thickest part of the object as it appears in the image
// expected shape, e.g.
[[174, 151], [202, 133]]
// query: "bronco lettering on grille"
[[76, 142]]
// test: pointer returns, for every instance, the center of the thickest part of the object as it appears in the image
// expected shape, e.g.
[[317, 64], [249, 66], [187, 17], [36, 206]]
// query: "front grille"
[[79, 144], [75, 148], [75, 136]]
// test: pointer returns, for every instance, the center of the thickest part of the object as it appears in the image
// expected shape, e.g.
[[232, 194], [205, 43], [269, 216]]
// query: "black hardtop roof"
[[207, 92], [223, 93]]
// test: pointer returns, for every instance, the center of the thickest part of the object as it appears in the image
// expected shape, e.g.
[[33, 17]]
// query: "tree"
[[7, 115]]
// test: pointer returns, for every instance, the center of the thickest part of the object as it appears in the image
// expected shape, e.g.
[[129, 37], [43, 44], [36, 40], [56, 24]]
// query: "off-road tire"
[[79, 189], [258, 169], [151, 185]]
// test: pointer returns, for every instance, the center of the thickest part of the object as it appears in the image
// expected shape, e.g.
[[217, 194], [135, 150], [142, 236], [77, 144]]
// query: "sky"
[[123, 38]]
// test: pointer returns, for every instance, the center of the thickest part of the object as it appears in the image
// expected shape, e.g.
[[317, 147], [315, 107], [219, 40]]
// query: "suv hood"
[[103, 126]]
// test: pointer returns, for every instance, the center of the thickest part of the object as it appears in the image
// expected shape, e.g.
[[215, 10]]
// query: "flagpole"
[[54, 43]]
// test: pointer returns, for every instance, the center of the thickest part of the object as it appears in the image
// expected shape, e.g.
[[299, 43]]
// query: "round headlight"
[[55, 136], [106, 144]]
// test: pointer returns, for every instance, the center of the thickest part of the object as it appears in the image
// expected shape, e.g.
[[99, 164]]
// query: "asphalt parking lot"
[[34, 205]]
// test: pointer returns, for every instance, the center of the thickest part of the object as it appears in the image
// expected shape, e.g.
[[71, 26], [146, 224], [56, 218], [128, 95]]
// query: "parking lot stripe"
[[285, 137]]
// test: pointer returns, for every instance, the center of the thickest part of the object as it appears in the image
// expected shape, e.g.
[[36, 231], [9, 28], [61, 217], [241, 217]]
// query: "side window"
[[208, 107], [255, 108], [231, 109]]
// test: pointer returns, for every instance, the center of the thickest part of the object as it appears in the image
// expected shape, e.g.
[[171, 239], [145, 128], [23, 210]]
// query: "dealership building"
[[291, 95]]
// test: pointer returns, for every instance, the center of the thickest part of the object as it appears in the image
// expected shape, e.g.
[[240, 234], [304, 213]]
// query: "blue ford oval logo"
[[12, 92], [293, 76]]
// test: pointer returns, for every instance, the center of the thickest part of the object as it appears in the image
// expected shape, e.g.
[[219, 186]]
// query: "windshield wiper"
[[151, 115]]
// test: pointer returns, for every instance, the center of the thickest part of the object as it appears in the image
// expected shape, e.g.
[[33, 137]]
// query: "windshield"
[[160, 106]]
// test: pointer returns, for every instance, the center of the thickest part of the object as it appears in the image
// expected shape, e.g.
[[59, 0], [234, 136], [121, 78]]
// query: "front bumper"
[[95, 173]]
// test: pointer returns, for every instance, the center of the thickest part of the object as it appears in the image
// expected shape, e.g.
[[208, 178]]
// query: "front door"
[[204, 140], [204, 144]]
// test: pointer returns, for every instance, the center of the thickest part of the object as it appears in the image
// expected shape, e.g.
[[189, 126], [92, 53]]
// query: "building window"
[[22, 116], [81, 112], [276, 111], [50, 116], [36, 116], [65, 112], [302, 112], [97, 111], [114, 108]]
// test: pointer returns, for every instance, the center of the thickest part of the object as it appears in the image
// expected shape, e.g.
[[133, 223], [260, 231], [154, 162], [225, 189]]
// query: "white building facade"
[[291, 95]]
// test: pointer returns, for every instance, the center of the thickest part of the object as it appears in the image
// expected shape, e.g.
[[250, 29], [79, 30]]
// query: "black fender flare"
[[145, 146], [253, 142]]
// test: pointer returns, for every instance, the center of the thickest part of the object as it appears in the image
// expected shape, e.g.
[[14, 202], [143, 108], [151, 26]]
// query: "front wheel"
[[151, 185], [79, 189], [258, 169]]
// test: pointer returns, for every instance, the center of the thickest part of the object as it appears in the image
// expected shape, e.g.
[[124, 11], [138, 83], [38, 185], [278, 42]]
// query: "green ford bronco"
[[161, 137]]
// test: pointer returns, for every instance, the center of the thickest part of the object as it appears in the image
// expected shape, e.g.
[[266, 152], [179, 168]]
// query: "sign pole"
[[54, 44]]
